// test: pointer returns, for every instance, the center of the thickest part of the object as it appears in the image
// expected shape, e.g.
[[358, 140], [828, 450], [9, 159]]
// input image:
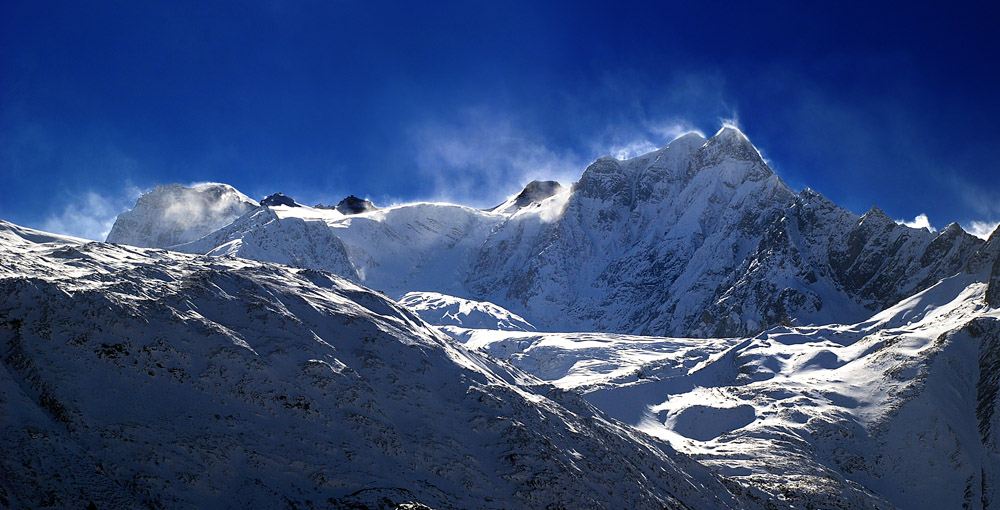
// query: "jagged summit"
[[730, 131], [732, 143], [953, 228], [279, 199], [876, 214], [355, 205], [533, 193]]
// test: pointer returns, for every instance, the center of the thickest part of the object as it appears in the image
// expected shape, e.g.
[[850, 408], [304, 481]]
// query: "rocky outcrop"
[[355, 205], [278, 199], [532, 194]]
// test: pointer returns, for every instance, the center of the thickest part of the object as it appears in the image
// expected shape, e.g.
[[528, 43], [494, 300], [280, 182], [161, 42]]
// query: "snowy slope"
[[444, 310], [135, 377], [176, 214], [398, 249], [699, 238], [898, 410]]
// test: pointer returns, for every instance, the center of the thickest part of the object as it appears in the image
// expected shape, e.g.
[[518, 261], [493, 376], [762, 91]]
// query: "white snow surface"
[[444, 310], [134, 377], [894, 411]]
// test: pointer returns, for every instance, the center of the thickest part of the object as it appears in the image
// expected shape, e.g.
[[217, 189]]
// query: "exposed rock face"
[[175, 214], [279, 199], [532, 194], [993, 292], [987, 259], [355, 205]]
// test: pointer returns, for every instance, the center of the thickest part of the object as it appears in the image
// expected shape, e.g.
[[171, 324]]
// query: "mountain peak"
[[355, 205], [685, 144], [729, 130], [692, 139], [533, 193], [279, 199], [732, 142], [876, 213], [953, 229], [175, 214]]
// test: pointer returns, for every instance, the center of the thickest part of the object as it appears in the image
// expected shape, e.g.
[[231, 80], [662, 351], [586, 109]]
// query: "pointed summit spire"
[[730, 130], [730, 142]]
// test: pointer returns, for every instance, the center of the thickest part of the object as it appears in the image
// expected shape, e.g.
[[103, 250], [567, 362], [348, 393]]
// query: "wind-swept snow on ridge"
[[699, 238], [898, 410], [135, 377], [175, 214]]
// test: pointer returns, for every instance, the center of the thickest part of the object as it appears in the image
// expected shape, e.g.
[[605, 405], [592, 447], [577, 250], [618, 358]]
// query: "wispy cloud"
[[920, 221], [484, 157], [630, 140], [633, 149], [89, 214], [983, 200], [982, 229]]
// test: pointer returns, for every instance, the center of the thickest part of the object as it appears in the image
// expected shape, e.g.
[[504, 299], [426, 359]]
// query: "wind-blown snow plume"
[[90, 215], [483, 158], [175, 214], [920, 221], [982, 229]]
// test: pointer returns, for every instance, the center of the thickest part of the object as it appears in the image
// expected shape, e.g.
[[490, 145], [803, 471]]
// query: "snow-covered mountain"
[[813, 359], [899, 410], [175, 214], [699, 238], [133, 377]]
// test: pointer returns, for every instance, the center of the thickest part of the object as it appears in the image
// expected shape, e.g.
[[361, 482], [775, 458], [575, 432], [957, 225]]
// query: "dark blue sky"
[[891, 105]]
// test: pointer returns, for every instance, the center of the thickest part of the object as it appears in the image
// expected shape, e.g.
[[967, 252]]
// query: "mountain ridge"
[[698, 238]]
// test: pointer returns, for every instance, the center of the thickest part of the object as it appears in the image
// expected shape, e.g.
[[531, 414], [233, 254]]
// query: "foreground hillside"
[[135, 378]]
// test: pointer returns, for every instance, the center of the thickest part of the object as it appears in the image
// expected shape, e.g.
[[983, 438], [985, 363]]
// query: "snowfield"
[[895, 411]]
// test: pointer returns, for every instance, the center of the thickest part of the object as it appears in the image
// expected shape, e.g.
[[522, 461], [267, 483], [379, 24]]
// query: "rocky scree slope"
[[134, 377]]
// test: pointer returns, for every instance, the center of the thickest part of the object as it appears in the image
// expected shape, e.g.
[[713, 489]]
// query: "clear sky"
[[893, 104]]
